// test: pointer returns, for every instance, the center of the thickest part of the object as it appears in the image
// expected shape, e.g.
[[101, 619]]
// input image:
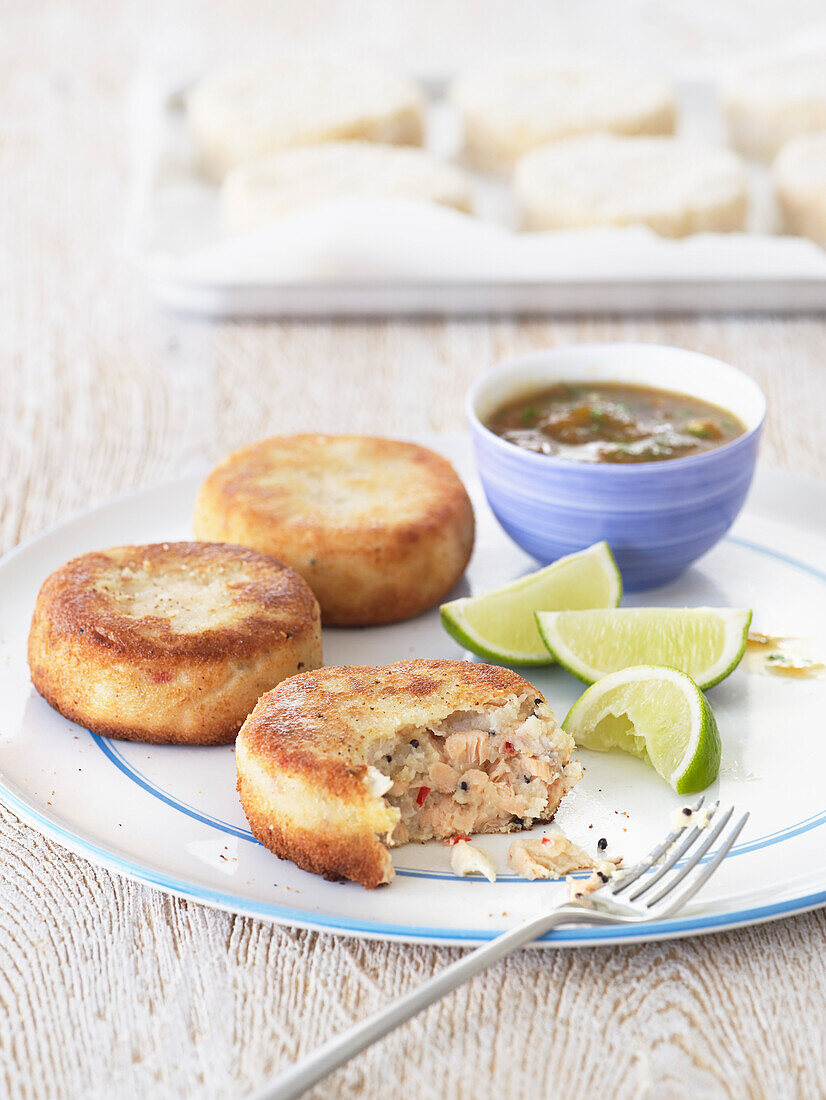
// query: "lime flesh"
[[707, 643], [657, 714], [500, 625]]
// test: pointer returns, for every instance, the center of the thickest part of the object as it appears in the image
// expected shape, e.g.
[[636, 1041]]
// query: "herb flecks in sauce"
[[613, 422]]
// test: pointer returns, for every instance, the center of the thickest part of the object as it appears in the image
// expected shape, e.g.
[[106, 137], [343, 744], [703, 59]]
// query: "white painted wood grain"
[[108, 989]]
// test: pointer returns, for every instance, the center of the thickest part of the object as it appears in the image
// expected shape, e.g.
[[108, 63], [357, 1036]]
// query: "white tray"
[[388, 257]]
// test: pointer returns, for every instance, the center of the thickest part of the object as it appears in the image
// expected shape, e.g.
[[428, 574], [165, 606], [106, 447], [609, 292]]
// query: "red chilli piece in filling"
[[508, 748], [455, 839], [422, 795]]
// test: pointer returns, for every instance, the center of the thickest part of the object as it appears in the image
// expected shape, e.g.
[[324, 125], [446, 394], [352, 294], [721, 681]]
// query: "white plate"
[[383, 257], [170, 816]]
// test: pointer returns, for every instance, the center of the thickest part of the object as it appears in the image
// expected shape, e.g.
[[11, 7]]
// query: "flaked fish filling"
[[555, 856], [489, 771], [467, 859]]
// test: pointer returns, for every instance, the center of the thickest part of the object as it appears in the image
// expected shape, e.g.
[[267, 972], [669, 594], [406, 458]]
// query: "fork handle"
[[341, 1048]]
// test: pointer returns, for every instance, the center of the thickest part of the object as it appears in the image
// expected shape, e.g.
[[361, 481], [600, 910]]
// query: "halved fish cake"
[[337, 766], [380, 529], [171, 642]]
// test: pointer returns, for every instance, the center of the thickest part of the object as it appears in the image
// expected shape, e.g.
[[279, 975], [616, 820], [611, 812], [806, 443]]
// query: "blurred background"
[[443, 35], [84, 345]]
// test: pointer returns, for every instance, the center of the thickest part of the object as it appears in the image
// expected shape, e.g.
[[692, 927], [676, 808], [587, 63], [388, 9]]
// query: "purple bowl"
[[657, 517]]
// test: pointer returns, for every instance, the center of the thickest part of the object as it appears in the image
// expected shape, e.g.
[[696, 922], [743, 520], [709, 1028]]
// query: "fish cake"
[[246, 110], [381, 530], [674, 187], [259, 192], [799, 174], [171, 642], [768, 101], [510, 107], [337, 766]]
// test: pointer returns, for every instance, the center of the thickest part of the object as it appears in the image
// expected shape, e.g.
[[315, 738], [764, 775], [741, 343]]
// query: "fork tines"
[[655, 855], [673, 860]]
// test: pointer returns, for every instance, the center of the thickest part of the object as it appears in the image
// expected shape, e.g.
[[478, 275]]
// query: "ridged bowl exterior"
[[657, 517]]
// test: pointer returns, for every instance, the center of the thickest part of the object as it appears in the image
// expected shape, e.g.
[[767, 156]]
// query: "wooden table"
[[110, 989]]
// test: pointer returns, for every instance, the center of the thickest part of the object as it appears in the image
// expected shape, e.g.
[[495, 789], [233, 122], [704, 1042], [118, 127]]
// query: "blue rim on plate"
[[111, 751], [304, 919]]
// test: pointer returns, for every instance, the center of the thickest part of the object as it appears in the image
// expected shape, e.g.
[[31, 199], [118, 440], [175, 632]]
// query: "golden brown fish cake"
[[172, 642], [336, 766], [381, 530]]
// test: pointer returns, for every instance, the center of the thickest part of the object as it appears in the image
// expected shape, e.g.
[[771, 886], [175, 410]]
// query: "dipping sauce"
[[614, 422]]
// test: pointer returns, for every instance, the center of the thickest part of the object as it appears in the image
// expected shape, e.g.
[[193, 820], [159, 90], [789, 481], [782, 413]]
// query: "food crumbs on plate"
[[779, 655], [684, 817], [604, 870], [551, 856], [467, 859]]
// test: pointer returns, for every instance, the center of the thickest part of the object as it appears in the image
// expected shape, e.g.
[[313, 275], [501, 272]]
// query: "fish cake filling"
[[494, 770]]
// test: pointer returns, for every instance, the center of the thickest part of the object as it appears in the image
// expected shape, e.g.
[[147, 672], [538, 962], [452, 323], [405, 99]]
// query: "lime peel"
[[707, 643], [500, 625], [657, 714]]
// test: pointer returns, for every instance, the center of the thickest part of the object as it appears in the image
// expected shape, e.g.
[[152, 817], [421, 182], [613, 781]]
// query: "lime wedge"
[[705, 642], [658, 714], [500, 625]]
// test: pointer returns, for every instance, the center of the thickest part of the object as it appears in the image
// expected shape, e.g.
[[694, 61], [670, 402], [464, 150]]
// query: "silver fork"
[[672, 882]]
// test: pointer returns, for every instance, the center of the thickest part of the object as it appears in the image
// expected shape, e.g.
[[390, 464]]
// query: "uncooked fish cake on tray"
[[170, 815], [340, 185]]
